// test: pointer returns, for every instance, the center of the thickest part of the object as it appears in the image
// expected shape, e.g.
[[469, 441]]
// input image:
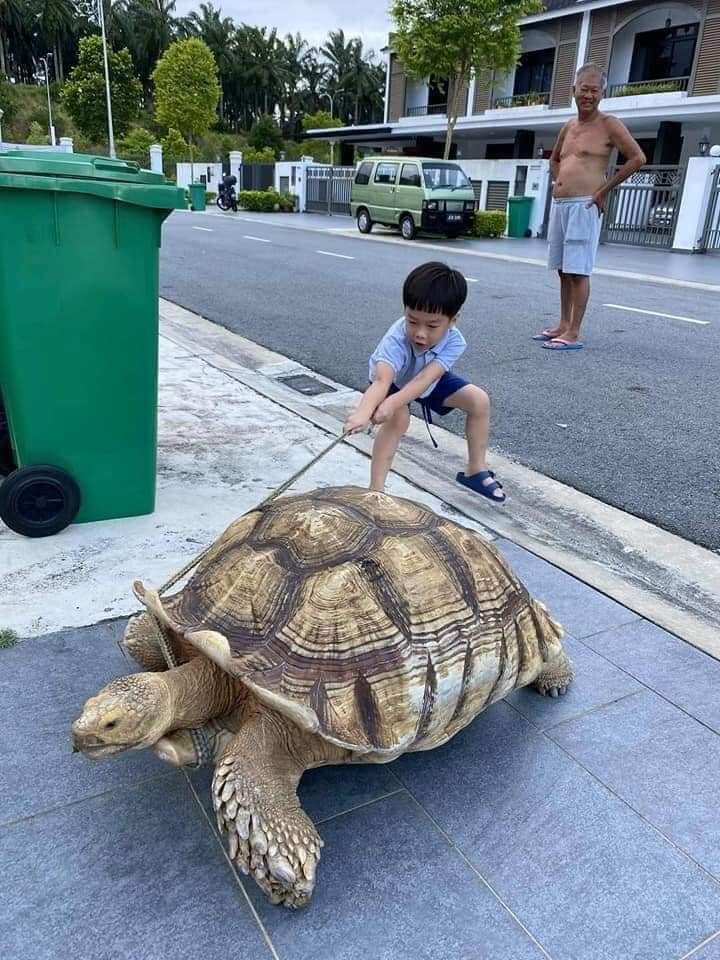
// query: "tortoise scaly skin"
[[339, 626]]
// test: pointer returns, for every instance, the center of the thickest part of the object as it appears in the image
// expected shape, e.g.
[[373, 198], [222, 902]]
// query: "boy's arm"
[[360, 418], [411, 391]]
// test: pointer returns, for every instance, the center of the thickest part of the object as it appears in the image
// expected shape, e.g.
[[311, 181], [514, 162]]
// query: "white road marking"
[[340, 256], [246, 236], [654, 313], [204, 229], [472, 280]]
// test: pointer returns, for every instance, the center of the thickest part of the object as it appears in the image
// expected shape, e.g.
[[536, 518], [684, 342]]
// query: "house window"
[[437, 95], [662, 54], [534, 72]]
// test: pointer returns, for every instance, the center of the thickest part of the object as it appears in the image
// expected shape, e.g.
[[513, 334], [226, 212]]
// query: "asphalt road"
[[631, 420]]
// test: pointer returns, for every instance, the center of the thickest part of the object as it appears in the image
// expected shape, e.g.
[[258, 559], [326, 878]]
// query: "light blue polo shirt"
[[397, 351]]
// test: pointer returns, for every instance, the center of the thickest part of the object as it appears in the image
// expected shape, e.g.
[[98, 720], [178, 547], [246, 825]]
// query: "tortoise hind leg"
[[255, 796], [555, 677]]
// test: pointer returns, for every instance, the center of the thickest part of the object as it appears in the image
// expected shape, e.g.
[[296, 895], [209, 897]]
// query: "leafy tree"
[[135, 145], [454, 38], [37, 136], [187, 89], [266, 155], [320, 120], [175, 150], [84, 92], [266, 133], [8, 102]]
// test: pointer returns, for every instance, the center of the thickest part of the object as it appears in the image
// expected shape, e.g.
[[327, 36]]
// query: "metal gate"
[[711, 235], [643, 211], [257, 176], [328, 189]]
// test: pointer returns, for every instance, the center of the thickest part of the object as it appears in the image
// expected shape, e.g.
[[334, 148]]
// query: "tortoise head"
[[128, 714]]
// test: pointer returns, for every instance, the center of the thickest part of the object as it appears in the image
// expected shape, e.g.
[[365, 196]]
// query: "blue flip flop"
[[559, 344], [544, 337], [475, 483]]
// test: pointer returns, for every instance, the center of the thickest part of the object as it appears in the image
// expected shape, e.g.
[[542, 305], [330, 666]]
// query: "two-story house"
[[663, 67]]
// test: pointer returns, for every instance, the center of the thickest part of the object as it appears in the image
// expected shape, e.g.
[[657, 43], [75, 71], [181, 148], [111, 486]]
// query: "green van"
[[413, 193]]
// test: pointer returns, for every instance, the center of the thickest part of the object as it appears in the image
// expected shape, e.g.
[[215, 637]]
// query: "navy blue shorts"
[[447, 385]]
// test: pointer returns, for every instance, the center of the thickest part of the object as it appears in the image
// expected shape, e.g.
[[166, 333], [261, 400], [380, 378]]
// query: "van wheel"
[[407, 227], [364, 222]]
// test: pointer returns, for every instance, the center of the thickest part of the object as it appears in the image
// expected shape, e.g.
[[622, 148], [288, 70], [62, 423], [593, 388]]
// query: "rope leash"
[[203, 750]]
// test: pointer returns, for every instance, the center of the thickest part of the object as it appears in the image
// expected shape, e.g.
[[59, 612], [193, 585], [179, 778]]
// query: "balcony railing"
[[426, 109], [649, 86], [534, 99]]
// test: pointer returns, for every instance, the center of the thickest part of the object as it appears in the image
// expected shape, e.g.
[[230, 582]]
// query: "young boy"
[[414, 361]]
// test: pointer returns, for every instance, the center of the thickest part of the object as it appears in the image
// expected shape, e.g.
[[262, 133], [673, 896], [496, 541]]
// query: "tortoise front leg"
[[256, 802]]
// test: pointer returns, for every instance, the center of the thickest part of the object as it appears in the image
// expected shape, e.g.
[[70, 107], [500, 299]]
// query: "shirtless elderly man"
[[579, 165]]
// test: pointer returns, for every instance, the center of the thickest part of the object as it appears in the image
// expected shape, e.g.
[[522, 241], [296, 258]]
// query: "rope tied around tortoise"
[[203, 750]]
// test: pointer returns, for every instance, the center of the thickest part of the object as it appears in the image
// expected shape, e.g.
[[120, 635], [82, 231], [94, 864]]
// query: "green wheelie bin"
[[79, 252], [197, 196], [519, 216]]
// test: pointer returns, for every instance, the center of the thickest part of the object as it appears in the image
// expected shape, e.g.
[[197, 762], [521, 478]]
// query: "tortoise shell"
[[366, 618]]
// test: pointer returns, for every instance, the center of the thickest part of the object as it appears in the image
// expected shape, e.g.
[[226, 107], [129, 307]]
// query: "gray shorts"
[[573, 235]]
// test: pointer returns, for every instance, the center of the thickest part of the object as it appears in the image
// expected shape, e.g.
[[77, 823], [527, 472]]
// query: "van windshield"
[[447, 176]]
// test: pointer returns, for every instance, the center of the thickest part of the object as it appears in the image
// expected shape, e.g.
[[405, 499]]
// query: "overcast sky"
[[312, 18]]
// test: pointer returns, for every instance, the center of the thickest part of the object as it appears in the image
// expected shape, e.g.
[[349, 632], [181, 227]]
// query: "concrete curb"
[[667, 580]]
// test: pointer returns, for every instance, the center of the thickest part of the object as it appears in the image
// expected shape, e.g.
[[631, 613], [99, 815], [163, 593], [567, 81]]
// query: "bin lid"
[[84, 173], [49, 163]]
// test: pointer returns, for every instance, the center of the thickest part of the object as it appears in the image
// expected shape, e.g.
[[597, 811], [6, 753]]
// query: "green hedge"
[[266, 201], [489, 223]]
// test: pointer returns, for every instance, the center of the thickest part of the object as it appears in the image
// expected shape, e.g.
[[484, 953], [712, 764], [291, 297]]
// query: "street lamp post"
[[44, 61], [332, 142], [111, 136], [2, 113]]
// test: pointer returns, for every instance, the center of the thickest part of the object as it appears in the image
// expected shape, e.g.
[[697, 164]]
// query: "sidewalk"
[[577, 829]]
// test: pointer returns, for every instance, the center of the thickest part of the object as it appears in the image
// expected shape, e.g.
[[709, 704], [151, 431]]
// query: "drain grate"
[[306, 385]]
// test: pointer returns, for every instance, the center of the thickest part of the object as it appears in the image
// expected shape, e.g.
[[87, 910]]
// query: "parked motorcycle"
[[226, 198]]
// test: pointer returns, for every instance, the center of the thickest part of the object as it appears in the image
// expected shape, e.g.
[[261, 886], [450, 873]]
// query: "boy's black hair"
[[435, 288]]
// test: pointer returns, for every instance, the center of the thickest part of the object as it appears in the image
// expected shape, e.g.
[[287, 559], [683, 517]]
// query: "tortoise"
[[338, 626]]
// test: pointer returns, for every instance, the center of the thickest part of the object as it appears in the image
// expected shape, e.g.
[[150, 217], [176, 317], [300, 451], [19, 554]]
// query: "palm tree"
[[217, 32], [146, 28], [57, 21], [340, 54], [16, 38]]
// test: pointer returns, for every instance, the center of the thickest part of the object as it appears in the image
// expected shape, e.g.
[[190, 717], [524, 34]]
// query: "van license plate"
[[454, 216]]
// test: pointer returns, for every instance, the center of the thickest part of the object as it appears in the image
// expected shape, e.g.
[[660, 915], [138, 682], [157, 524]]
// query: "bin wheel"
[[39, 501]]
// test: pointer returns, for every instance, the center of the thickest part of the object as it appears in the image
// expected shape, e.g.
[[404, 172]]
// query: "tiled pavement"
[[576, 829]]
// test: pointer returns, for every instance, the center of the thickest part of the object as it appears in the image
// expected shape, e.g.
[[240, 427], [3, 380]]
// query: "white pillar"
[[583, 39], [694, 203], [67, 144], [235, 157], [471, 96], [156, 164], [388, 60]]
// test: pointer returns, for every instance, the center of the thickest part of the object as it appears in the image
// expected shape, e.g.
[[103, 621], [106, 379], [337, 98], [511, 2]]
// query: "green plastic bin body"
[[79, 242], [519, 209], [197, 196]]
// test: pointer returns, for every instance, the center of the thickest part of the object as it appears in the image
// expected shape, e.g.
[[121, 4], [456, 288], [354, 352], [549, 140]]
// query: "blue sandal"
[[475, 483]]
